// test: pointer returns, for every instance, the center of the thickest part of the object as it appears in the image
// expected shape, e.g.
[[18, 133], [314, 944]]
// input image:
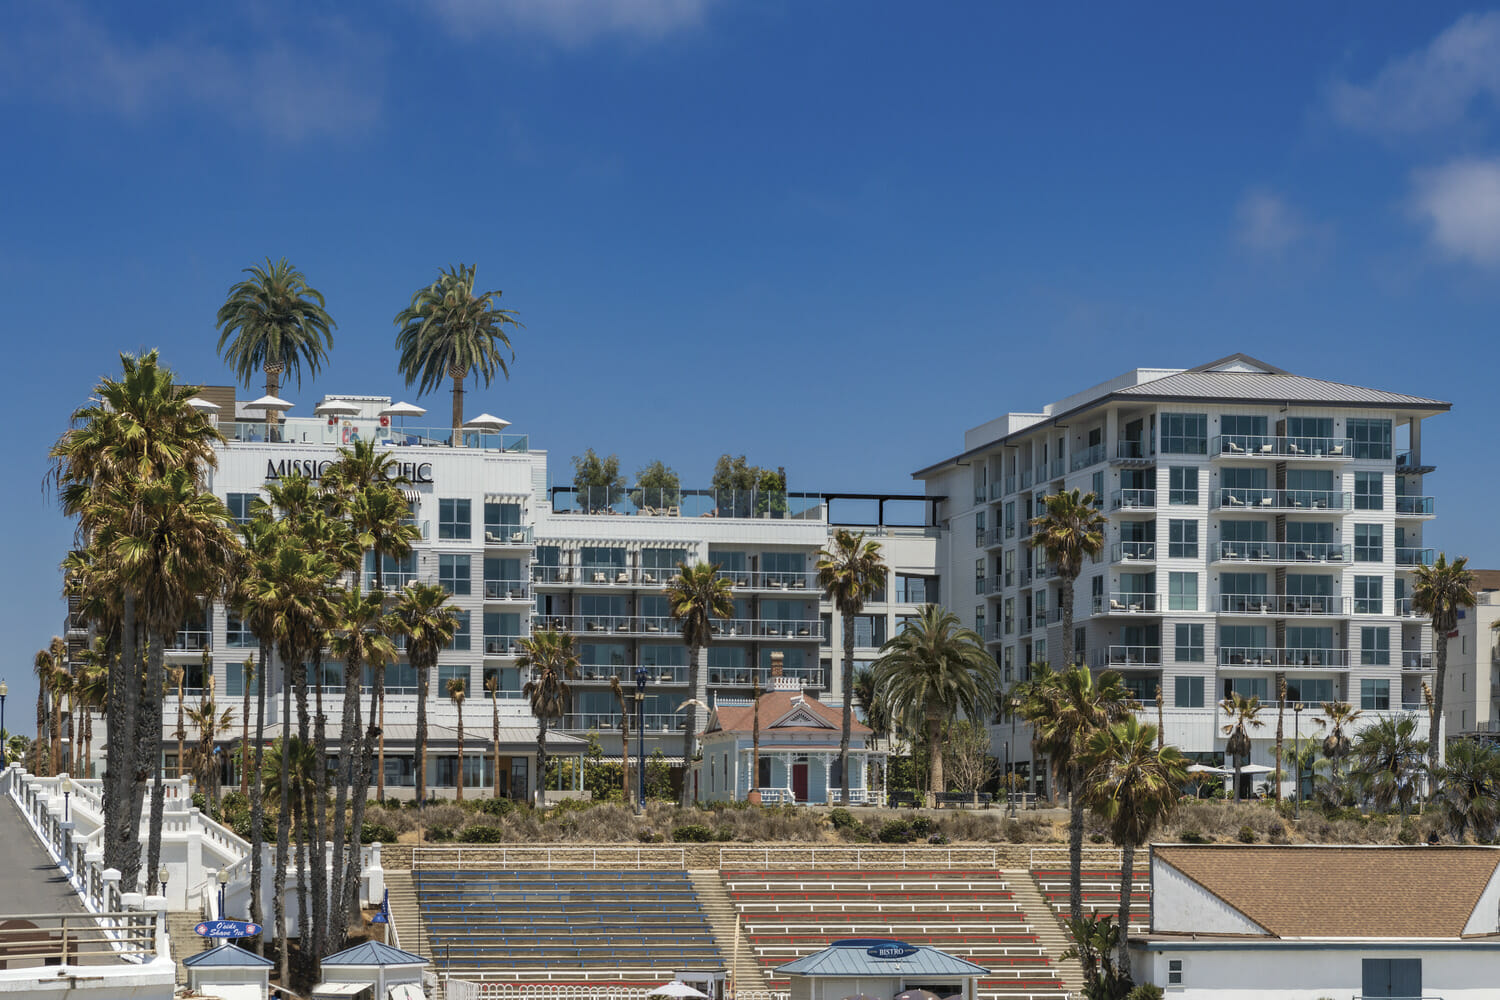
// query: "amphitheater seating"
[[971, 914], [1101, 893], [598, 928]]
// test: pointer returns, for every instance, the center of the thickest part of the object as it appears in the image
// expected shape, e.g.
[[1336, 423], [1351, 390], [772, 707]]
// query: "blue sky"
[[828, 235]]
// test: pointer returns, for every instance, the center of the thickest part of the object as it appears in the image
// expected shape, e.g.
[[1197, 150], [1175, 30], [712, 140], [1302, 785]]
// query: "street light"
[[161, 878], [1297, 757], [640, 729], [223, 881], [66, 786], [4, 690]]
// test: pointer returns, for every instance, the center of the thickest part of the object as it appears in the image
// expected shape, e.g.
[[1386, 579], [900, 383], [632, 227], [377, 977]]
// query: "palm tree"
[[427, 619], [1280, 730], [1468, 787], [624, 706], [492, 688], [550, 658], [1389, 762], [1244, 715], [91, 687], [1339, 717], [1071, 530], [455, 690], [41, 753], [176, 675], [1132, 784], [867, 695], [448, 331], [248, 677], [1440, 591], [696, 596], [209, 722], [276, 322], [931, 671], [1064, 709], [849, 572]]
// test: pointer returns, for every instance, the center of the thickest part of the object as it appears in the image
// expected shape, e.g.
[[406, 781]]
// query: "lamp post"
[[223, 882], [65, 785], [640, 730], [4, 758], [1010, 802], [1297, 758], [161, 878]]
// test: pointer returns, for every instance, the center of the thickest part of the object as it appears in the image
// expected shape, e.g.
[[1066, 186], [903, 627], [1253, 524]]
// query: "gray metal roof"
[[374, 953], [853, 960], [1271, 388], [474, 735], [227, 956]]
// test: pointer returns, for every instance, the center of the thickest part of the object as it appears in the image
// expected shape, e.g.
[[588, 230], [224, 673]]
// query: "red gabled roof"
[[778, 705]]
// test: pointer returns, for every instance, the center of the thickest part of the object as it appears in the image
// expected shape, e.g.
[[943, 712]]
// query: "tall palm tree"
[[176, 675], [1244, 715], [248, 677], [455, 691], [850, 571], [1439, 591], [449, 331], [1064, 709], [1339, 717], [619, 693], [274, 322], [696, 596], [552, 662], [58, 685], [492, 688], [1280, 730], [1132, 783], [931, 671], [209, 723], [427, 619], [1389, 761], [41, 753], [1070, 530], [91, 686], [1468, 787]]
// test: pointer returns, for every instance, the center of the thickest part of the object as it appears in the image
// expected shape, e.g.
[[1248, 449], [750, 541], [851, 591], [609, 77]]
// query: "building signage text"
[[414, 472]]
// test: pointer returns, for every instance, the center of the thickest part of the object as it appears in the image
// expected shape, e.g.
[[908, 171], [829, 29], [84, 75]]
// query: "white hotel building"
[[517, 555], [1259, 523]]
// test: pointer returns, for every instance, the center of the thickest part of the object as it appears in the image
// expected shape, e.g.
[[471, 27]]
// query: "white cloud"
[[1460, 204], [1266, 223], [1430, 89], [572, 22], [320, 78]]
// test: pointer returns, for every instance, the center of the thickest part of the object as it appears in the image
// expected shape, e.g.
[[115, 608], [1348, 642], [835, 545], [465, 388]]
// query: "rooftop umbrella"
[[269, 403], [487, 422], [676, 989], [335, 408], [202, 405]]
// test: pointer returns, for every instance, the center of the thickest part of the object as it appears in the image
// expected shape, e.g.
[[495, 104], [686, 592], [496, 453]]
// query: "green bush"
[[1248, 835], [921, 826], [1408, 833], [496, 807], [373, 832], [650, 837], [482, 835], [439, 834], [841, 818], [1097, 838], [692, 833], [1194, 837], [895, 831], [1146, 991]]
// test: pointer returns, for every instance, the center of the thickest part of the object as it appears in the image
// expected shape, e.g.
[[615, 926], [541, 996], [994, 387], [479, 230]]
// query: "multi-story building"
[[1259, 524], [1471, 696], [517, 555]]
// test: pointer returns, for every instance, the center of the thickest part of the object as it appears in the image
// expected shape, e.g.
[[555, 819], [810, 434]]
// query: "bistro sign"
[[412, 472]]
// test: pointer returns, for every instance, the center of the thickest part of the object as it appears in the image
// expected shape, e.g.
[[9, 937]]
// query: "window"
[[1367, 595], [1009, 615], [1369, 543], [1309, 690], [1008, 662], [234, 678], [1184, 433], [1309, 427], [1374, 694], [237, 634], [400, 678], [452, 673], [1182, 539], [978, 620], [1182, 591], [1189, 693], [1182, 483], [1248, 687], [1375, 647], [455, 574], [454, 519], [239, 506], [460, 641], [1369, 491], [1141, 687], [1372, 438], [1174, 965], [916, 589], [1241, 425], [978, 576], [869, 630], [1096, 487], [501, 520], [1189, 645]]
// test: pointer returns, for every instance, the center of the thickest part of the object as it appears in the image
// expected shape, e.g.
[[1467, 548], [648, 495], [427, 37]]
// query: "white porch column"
[[827, 772]]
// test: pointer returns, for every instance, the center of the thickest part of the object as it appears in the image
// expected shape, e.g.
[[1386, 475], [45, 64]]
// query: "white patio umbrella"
[[676, 989], [401, 411], [1204, 769], [488, 422], [336, 408], [269, 403], [1252, 769], [202, 405]]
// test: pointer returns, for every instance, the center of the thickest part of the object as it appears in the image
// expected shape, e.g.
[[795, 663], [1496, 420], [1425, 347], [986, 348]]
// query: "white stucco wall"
[[1181, 905], [1312, 970]]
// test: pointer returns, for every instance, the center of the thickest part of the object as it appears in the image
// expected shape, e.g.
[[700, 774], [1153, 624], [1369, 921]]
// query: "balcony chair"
[[1230, 500], [622, 577], [1115, 605], [1265, 449], [1230, 446], [1337, 449]]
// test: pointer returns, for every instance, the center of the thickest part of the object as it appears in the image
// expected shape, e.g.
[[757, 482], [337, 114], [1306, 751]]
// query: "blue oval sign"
[[891, 949], [227, 929]]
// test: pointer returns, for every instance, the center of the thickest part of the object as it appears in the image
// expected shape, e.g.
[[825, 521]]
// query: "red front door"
[[799, 782]]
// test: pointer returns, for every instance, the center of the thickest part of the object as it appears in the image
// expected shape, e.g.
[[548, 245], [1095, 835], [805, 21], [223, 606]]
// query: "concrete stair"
[[180, 924], [714, 899], [1048, 928], [404, 913]]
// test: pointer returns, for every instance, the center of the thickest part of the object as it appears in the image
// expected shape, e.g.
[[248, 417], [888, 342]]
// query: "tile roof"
[[1270, 388], [776, 705], [1343, 892]]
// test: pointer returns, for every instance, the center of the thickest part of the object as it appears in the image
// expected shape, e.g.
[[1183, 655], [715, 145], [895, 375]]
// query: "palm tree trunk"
[[304, 734], [299, 820], [459, 797], [181, 733], [1065, 600], [935, 759], [55, 683], [495, 738], [1236, 779], [39, 749], [377, 706], [151, 748], [257, 797], [349, 743], [1435, 716], [690, 734], [283, 823], [246, 677], [348, 902], [848, 721], [121, 839], [1280, 728], [1075, 842], [421, 762], [73, 754], [541, 761], [458, 408], [317, 818], [1127, 879]]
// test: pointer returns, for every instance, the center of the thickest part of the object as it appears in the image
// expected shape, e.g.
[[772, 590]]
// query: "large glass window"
[[507, 682], [460, 641], [1189, 648], [1182, 591], [1184, 433], [1183, 539], [234, 680], [1374, 694], [1309, 690], [454, 518], [239, 506], [1249, 687], [1372, 438], [455, 574], [1238, 424], [501, 520], [1367, 595], [400, 678], [237, 634], [1189, 693], [1182, 485], [450, 672], [783, 562], [1369, 491], [1369, 543], [1309, 532], [729, 560], [1375, 647], [1236, 478], [869, 630], [1309, 427]]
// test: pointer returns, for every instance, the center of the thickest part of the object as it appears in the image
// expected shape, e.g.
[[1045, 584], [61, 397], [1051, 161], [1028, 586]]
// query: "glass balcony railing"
[[1119, 657], [1126, 604], [1089, 456], [1266, 656], [190, 639], [1135, 449], [1025, 625], [1133, 500], [1414, 660], [583, 722], [626, 673], [1406, 556], [1057, 468], [1284, 552], [502, 645], [746, 676], [1263, 446], [1283, 605], [1406, 609], [317, 430], [1416, 506], [1279, 500], [665, 502], [507, 534], [1133, 551], [506, 590], [991, 585], [1026, 479], [991, 537], [1010, 484]]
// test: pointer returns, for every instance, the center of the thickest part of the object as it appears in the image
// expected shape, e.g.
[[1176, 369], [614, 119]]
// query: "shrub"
[[496, 807], [692, 833], [482, 835], [1277, 833], [1146, 991], [1097, 838], [372, 832], [938, 838], [842, 819], [1194, 837], [921, 826], [1248, 835], [1408, 833], [439, 834], [894, 831]]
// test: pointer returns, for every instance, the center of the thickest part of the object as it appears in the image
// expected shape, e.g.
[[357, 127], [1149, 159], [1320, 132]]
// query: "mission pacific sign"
[[413, 472]]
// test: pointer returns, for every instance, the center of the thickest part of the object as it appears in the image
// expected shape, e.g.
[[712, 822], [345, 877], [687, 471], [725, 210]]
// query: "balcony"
[[809, 677], [1057, 468], [1405, 609], [991, 585], [1409, 463], [1295, 501], [1041, 474], [778, 581], [1025, 626], [996, 632], [602, 672], [192, 640], [1090, 456], [1010, 485], [1133, 552], [1126, 657], [992, 537], [1282, 448], [788, 628], [1412, 659], [1291, 553], [318, 431], [611, 624], [995, 491], [502, 645], [1415, 557], [1410, 506], [1135, 451], [507, 534], [683, 503], [584, 722], [1270, 656], [1133, 500], [507, 590], [1127, 604], [1283, 606], [1026, 480], [393, 583]]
